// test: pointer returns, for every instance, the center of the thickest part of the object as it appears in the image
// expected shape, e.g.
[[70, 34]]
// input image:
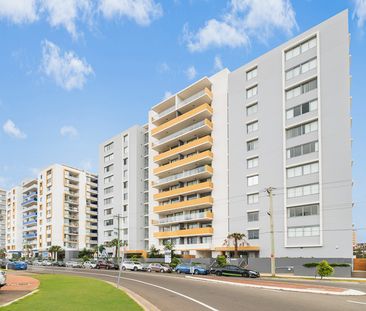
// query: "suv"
[[157, 267], [106, 265], [2, 278], [132, 265]]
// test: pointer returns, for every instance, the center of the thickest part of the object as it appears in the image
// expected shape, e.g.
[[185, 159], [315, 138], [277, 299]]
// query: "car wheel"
[[196, 272], [135, 269], [179, 272], [149, 270], [123, 268], [162, 270], [218, 273], [107, 267]]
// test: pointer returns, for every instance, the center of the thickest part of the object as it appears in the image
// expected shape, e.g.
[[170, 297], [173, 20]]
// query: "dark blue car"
[[190, 269], [17, 265]]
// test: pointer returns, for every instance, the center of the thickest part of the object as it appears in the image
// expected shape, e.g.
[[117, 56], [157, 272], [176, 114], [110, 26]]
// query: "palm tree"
[[101, 249], [116, 244], [2, 253], [236, 236], [54, 250]]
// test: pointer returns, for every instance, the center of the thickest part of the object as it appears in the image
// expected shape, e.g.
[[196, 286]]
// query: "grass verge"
[[63, 292]]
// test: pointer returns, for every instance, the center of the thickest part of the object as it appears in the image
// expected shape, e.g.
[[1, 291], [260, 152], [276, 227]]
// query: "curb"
[[20, 298], [142, 302], [348, 292]]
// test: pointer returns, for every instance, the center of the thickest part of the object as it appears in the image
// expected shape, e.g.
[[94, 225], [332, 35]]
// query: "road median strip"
[[325, 290]]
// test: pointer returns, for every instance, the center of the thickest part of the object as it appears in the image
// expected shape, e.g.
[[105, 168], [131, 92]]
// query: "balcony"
[[164, 113], [29, 215], [204, 171], [29, 202], [72, 184], [30, 236], [30, 222], [90, 212], [199, 144], [205, 216], [201, 128], [183, 233], [71, 208], [71, 177], [184, 205], [71, 216], [203, 96], [184, 164], [202, 112]]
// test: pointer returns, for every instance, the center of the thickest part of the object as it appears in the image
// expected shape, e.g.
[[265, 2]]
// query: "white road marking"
[[154, 285], [358, 302]]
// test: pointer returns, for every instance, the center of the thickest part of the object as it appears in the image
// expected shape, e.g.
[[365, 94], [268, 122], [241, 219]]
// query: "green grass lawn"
[[62, 292]]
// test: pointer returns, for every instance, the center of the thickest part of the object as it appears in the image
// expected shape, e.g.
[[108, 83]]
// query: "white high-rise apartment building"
[[2, 218], [123, 189], [282, 121], [67, 209], [14, 221], [29, 216]]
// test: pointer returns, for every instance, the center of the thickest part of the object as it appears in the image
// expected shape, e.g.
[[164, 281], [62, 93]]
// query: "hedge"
[[315, 264]]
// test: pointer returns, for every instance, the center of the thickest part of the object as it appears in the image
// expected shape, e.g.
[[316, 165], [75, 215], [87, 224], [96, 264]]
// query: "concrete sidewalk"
[[293, 287], [17, 286], [312, 278]]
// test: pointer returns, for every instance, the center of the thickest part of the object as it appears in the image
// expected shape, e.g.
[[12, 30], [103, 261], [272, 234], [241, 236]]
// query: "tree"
[[101, 249], [236, 237], [86, 254], [28, 250], [114, 243], [55, 250], [2, 253], [221, 260], [324, 269], [154, 253]]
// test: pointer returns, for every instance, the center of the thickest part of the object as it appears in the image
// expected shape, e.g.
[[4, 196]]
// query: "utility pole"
[[124, 244], [269, 191]]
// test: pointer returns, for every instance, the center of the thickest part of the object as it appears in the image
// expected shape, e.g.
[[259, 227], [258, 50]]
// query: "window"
[[125, 161], [108, 168], [108, 147], [253, 162], [108, 201], [124, 173], [108, 179], [302, 109], [252, 127], [300, 191], [296, 232], [108, 233], [301, 170], [125, 196], [302, 149], [300, 69], [301, 89], [253, 216], [253, 234], [125, 138], [252, 145], [108, 190], [252, 91], [108, 158], [302, 129], [125, 208], [251, 74], [125, 184], [300, 48], [108, 222], [253, 198], [300, 211], [252, 109], [108, 211], [125, 150], [252, 180]]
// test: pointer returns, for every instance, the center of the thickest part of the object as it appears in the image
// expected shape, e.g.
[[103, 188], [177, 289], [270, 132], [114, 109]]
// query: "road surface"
[[175, 292]]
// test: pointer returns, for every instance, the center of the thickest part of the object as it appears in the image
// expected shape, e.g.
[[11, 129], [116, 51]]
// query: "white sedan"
[[89, 265], [131, 265], [2, 278]]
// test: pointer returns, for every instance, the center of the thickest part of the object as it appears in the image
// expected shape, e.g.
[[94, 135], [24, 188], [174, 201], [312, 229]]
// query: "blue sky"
[[76, 72]]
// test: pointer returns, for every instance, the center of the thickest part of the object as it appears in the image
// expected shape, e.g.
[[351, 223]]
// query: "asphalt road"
[[174, 292]]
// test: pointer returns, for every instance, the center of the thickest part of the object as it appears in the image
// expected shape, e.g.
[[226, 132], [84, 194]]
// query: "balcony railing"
[[164, 113], [30, 222], [184, 232], [185, 174], [194, 97], [183, 218], [30, 236], [29, 215], [30, 201]]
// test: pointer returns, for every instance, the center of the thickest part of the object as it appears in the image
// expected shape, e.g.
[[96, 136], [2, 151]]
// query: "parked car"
[[192, 269], [37, 263], [131, 265], [17, 265], [46, 263], [58, 264], [102, 264], [2, 278], [72, 264], [157, 267], [89, 264], [4, 263], [145, 266], [236, 271]]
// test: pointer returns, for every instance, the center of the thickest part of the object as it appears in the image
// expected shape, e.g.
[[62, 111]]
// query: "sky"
[[75, 72]]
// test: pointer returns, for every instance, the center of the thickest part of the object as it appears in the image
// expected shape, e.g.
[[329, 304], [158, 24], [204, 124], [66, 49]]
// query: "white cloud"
[[67, 69], [218, 63], [163, 67], [143, 12], [191, 72], [243, 21], [65, 13], [360, 12], [167, 94], [68, 130], [10, 128], [18, 11]]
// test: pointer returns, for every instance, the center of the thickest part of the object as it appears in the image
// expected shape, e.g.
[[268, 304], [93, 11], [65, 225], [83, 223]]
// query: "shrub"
[[221, 260], [324, 269], [310, 264], [315, 264], [175, 262]]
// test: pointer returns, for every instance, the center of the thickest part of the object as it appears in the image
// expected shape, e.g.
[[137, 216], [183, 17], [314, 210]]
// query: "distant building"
[[2, 218]]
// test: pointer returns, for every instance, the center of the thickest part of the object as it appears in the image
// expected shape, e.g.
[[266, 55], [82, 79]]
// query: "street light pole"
[[269, 191], [120, 263]]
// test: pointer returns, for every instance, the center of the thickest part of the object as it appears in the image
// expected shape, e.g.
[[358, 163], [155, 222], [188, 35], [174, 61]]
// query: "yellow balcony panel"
[[197, 188], [195, 130], [186, 232], [248, 248], [203, 171], [194, 217], [194, 100], [202, 112], [184, 205], [184, 164], [199, 144]]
